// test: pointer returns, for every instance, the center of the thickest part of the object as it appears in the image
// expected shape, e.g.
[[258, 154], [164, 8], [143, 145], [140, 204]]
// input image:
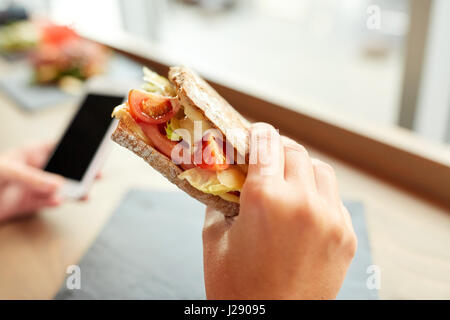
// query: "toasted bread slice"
[[194, 91]]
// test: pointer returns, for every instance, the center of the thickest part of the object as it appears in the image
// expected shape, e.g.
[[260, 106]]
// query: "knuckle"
[[261, 131], [325, 167], [345, 239], [351, 244], [261, 126], [300, 149], [288, 141], [306, 208], [294, 145], [259, 191], [337, 234], [265, 190]]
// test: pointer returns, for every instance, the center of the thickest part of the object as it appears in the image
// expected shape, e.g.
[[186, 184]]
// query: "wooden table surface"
[[410, 238]]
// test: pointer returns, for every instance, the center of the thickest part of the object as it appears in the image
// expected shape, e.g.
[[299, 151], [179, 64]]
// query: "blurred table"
[[410, 237]]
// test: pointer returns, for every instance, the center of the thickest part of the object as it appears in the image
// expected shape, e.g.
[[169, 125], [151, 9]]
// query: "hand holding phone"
[[24, 187]]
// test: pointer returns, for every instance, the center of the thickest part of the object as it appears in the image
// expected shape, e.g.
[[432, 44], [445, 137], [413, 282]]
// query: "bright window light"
[[98, 16]]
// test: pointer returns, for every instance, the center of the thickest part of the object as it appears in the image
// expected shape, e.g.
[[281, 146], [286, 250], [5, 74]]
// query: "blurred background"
[[369, 61], [373, 68]]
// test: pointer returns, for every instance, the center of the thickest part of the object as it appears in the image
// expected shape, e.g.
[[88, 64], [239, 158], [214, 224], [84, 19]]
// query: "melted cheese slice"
[[218, 183]]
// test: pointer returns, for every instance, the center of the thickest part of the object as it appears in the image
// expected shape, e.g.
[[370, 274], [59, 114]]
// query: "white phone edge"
[[74, 189]]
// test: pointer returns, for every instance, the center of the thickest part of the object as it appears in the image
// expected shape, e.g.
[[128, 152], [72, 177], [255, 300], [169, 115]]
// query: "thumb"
[[31, 177]]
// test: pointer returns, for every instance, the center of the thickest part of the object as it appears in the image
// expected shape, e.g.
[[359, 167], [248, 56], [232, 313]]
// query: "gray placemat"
[[354, 286], [151, 248]]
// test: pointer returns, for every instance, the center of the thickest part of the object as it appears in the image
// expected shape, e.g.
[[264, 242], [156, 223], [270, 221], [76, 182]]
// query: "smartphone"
[[84, 146]]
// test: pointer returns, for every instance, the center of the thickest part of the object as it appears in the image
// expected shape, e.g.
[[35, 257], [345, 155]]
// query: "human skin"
[[293, 238], [24, 187]]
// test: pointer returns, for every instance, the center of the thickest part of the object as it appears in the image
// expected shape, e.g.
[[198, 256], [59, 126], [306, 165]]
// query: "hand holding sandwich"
[[282, 231], [293, 238]]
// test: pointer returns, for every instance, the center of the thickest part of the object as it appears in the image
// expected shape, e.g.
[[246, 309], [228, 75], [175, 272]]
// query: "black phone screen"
[[84, 135]]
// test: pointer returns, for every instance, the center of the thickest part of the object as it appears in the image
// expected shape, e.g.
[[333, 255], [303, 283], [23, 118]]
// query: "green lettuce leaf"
[[171, 126], [205, 181]]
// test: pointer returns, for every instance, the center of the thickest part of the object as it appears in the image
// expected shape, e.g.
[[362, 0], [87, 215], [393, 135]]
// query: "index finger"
[[266, 159], [298, 165], [36, 155], [33, 178]]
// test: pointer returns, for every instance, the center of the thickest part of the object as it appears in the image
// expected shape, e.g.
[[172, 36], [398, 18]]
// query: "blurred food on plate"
[[62, 53]]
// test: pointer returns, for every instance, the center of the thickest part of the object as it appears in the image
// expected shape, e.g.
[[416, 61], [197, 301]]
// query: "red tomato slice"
[[161, 142], [152, 108], [213, 157]]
